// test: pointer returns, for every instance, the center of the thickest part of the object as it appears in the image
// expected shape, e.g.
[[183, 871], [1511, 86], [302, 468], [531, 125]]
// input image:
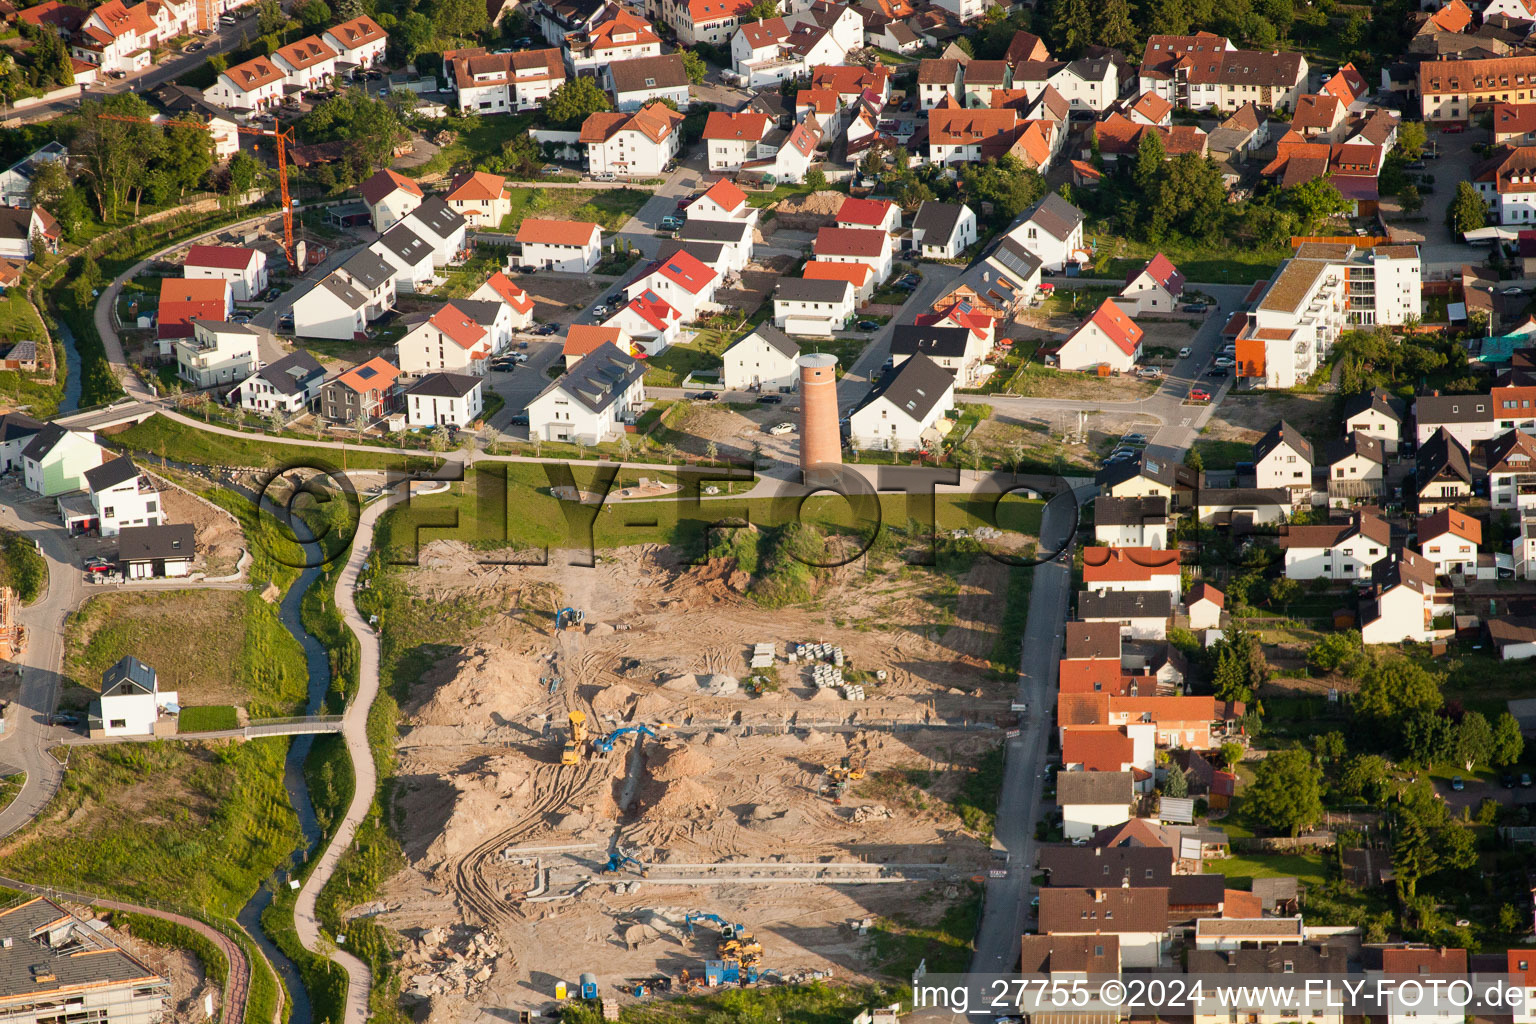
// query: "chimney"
[[1322, 952], [1098, 895]]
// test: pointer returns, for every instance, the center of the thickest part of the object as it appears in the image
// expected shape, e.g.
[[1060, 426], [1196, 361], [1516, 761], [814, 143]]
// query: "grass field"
[[158, 629], [209, 718], [1242, 869], [21, 567], [19, 321], [181, 443], [1216, 454], [609, 208], [1203, 264]]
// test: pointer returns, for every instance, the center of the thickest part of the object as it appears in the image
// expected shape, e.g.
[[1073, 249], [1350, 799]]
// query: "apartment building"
[[1506, 181], [498, 83], [1323, 290], [1450, 90]]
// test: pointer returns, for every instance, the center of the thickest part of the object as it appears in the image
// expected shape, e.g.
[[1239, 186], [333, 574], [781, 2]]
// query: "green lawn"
[[19, 321], [182, 443], [208, 718], [1221, 454], [21, 567], [1202, 264], [1242, 869], [608, 207], [703, 352]]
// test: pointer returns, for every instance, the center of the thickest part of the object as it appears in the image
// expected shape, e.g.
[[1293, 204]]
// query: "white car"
[[1223, 362], [781, 428], [1184, 352], [1149, 371]]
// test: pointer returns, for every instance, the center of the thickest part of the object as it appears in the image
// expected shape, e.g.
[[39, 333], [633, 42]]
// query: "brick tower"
[[820, 440]]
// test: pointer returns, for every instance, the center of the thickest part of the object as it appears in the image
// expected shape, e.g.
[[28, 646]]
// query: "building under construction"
[[13, 635], [56, 967]]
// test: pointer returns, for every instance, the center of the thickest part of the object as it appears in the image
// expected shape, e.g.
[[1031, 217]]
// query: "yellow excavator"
[[578, 742]]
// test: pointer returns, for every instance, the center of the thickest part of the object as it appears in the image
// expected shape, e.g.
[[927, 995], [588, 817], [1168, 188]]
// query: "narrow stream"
[[71, 400], [319, 664]]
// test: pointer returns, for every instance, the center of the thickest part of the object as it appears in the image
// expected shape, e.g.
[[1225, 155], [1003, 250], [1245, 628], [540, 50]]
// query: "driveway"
[[642, 229], [1439, 249], [855, 384]]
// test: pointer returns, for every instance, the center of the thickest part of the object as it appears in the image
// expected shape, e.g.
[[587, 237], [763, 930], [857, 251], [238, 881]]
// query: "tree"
[[575, 101], [372, 127], [1072, 25], [1467, 212], [313, 15], [1352, 35], [1150, 157], [1328, 746], [873, 162], [1229, 680], [1427, 840], [763, 9], [1411, 137], [1114, 25], [1175, 783], [1410, 200], [270, 18], [1508, 743], [1474, 740], [1006, 183], [694, 66], [413, 35], [115, 155], [187, 157], [1335, 651], [816, 179], [1286, 794], [1366, 776], [1395, 689], [1314, 203], [50, 180], [1283, 590], [1428, 738], [244, 173], [1228, 754], [1166, 17], [459, 19]]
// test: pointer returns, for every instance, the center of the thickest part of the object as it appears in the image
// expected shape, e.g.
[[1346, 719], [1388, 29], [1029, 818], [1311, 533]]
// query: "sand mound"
[[614, 700], [636, 934], [684, 798], [823, 204], [676, 761], [653, 706], [485, 798], [709, 685], [476, 684]]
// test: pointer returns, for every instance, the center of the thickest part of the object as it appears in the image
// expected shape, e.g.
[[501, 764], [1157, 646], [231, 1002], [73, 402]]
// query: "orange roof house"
[[183, 300], [1125, 568], [583, 338]]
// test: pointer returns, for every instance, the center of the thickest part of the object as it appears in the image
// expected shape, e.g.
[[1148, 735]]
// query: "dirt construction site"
[[771, 786]]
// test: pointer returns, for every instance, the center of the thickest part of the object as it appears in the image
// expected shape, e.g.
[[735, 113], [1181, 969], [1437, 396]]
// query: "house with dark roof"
[[1343, 549], [444, 400], [54, 460], [1356, 467], [943, 231], [16, 431], [1378, 414], [119, 497], [342, 304], [1442, 472], [1283, 457], [1091, 801], [996, 286], [50, 958], [150, 552], [288, 386], [643, 81], [812, 307], [1136, 522], [592, 401], [1509, 463], [1140, 614], [957, 349], [1052, 232], [906, 410], [762, 361], [1137, 918], [1149, 475]]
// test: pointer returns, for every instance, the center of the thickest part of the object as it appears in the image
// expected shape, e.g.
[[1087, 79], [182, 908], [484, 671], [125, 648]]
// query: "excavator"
[[574, 746], [604, 744], [849, 769], [565, 618], [618, 859]]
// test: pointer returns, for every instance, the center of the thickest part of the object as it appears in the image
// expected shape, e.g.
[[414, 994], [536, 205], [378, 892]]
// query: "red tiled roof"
[[868, 212], [477, 185], [305, 53], [822, 270], [224, 257], [861, 242], [1097, 749], [382, 375], [965, 127], [583, 338], [741, 126], [1450, 521], [1119, 565], [510, 293], [382, 183], [1152, 106], [725, 195], [1205, 592], [686, 271], [462, 330], [360, 31], [1119, 328], [850, 81], [1162, 271], [556, 232], [1092, 675], [705, 11], [254, 74], [1454, 17], [654, 310]]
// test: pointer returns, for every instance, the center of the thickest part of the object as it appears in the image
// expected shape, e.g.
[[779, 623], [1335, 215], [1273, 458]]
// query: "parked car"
[[704, 396], [1417, 165], [1216, 371], [908, 282], [1149, 371], [1184, 352], [65, 718], [99, 564], [1507, 780], [1194, 307], [782, 428], [526, 269], [285, 321], [909, 254], [1199, 395], [271, 294], [867, 325], [1135, 437], [119, 75], [1225, 362], [522, 344], [240, 318], [520, 420], [906, 105], [194, 47], [770, 399], [1525, 780], [1457, 784], [544, 330]]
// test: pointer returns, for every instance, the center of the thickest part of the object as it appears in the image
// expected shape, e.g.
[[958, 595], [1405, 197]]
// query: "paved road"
[[355, 732], [855, 383], [642, 229], [1004, 912]]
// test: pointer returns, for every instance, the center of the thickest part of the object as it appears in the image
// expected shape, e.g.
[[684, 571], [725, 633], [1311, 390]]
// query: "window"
[[109, 512], [118, 723]]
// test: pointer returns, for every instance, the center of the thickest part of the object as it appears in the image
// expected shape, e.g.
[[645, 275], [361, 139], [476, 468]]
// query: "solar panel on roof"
[[366, 372]]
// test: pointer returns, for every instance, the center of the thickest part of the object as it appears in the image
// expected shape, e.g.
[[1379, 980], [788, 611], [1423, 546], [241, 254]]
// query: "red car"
[[1454, 129], [1199, 395]]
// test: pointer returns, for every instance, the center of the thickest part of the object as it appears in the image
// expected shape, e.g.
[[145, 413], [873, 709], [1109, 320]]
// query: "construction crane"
[[284, 137], [565, 618], [573, 746], [618, 859], [604, 744]]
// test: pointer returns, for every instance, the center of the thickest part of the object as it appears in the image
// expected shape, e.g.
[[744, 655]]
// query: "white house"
[[16, 431], [131, 699], [1377, 414], [680, 280], [649, 321], [56, 459], [1204, 603], [1356, 469], [344, 302], [789, 160], [360, 41], [440, 227], [869, 214], [802, 306], [733, 236], [638, 144], [857, 274], [1402, 601], [501, 288], [444, 400], [723, 202], [1283, 458], [570, 246], [244, 268], [288, 386], [1413, 962], [1053, 232], [480, 198], [1510, 459], [447, 341], [937, 78], [593, 401], [121, 496], [616, 35], [219, 352], [1107, 338], [390, 196], [906, 410], [958, 349], [645, 80], [869, 246], [500, 83], [1091, 801], [732, 139], [146, 552], [305, 64], [256, 84], [1132, 569], [1336, 551], [16, 180], [20, 227], [1155, 288], [1140, 522], [942, 231], [410, 257], [762, 361]]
